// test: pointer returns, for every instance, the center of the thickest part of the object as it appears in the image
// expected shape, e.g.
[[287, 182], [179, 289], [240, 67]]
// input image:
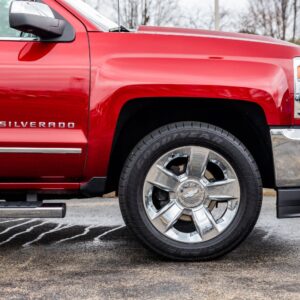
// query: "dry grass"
[[269, 192], [110, 195]]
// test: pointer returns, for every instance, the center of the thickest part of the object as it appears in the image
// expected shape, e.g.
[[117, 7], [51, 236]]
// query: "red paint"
[[45, 82], [89, 80], [47, 186]]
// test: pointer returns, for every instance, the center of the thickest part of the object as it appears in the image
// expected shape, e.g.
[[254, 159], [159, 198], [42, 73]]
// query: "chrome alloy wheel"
[[191, 194]]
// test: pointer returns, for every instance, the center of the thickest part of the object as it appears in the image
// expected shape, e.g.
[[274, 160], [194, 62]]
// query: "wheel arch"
[[139, 117]]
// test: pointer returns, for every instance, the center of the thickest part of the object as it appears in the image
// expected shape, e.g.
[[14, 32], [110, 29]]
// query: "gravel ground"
[[91, 255]]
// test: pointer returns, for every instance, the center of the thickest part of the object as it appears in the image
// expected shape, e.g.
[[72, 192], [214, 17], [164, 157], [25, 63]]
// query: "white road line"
[[20, 233], [15, 226], [86, 231], [11, 220], [98, 238], [57, 228]]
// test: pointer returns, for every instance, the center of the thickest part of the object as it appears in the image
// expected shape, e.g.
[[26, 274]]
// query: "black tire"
[[181, 134]]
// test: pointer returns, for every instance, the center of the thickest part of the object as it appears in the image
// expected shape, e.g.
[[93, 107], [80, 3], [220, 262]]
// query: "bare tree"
[[276, 18], [196, 18], [130, 13], [141, 12], [271, 17], [283, 10], [296, 8], [166, 12]]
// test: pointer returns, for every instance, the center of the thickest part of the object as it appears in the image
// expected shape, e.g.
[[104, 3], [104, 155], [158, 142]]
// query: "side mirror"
[[35, 18]]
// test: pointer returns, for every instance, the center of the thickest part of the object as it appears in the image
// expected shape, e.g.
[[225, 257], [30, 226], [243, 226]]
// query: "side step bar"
[[29, 210]]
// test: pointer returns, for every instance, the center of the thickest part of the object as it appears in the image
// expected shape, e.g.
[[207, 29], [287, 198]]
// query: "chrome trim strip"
[[19, 39], [41, 150], [286, 156], [29, 212]]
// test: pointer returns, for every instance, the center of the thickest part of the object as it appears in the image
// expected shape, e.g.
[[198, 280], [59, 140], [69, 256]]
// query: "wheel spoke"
[[197, 163], [223, 190], [163, 178], [205, 224], [221, 198], [221, 183], [167, 216], [188, 179]]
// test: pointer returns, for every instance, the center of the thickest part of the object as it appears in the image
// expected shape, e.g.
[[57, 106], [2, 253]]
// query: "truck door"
[[44, 102]]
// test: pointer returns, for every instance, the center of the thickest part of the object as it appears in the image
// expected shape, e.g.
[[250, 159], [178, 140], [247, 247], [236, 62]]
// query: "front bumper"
[[286, 155]]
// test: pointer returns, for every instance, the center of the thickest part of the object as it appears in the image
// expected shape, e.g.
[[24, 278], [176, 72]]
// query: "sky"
[[234, 6], [205, 9]]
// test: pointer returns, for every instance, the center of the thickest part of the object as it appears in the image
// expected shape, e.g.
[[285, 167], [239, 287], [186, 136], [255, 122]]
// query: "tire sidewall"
[[163, 141]]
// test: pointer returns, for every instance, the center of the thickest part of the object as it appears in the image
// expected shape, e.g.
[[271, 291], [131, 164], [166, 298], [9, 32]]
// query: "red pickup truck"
[[187, 126]]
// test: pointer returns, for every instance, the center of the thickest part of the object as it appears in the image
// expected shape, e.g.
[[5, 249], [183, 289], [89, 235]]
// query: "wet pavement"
[[91, 255]]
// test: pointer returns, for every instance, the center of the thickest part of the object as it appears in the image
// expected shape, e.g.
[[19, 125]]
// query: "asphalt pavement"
[[91, 255]]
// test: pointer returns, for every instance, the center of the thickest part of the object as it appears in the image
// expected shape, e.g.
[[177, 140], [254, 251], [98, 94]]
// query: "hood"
[[211, 34]]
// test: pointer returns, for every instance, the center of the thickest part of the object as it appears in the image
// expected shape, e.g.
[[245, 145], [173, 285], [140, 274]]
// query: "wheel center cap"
[[191, 193]]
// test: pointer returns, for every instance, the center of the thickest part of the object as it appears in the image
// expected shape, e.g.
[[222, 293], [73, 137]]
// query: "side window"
[[5, 30]]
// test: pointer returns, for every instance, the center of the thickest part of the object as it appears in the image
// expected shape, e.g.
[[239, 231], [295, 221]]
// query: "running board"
[[29, 210]]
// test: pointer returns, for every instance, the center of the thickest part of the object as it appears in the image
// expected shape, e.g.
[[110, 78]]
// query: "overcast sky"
[[206, 5], [234, 7]]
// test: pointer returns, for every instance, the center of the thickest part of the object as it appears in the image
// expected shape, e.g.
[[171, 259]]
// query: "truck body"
[[74, 107]]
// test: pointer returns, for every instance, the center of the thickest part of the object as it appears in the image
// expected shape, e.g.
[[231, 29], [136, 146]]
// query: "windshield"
[[93, 15]]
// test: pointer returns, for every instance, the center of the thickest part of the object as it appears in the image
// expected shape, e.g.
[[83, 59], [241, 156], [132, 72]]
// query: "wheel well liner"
[[139, 117]]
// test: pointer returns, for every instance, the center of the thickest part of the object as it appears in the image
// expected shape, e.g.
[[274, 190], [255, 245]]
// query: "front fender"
[[120, 76]]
